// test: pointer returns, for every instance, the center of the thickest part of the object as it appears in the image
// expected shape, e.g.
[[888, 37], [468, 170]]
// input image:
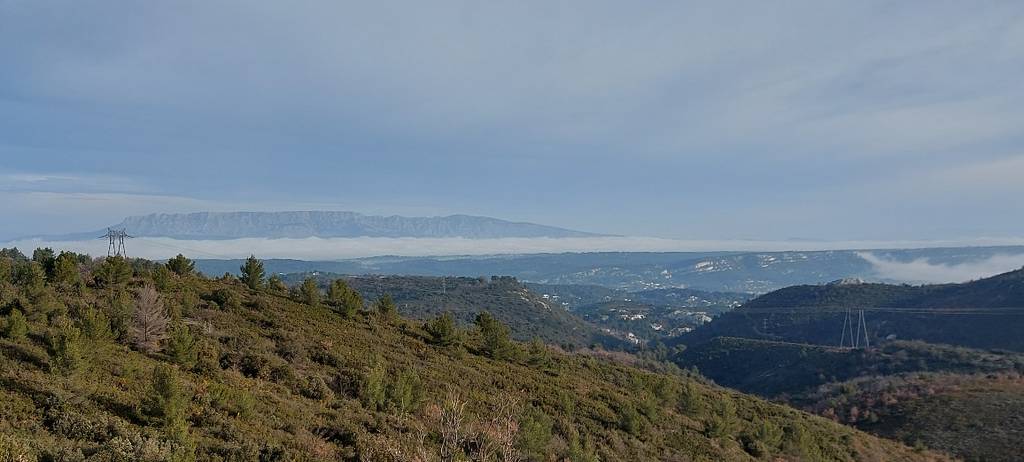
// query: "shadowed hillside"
[[988, 313]]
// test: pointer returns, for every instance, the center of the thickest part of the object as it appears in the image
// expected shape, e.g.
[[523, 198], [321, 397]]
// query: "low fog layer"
[[924, 271], [343, 248]]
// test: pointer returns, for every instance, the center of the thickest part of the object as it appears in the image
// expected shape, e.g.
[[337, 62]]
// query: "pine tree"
[[723, 421], [535, 432], [690, 400], [6, 269], [443, 330], [386, 309], [66, 347], [309, 292], [65, 270], [181, 265], [16, 326], [182, 346], [29, 275], [405, 393], [149, 321], [114, 272], [95, 325], [495, 337], [45, 257], [167, 403], [538, 353], [373, 391], [344, 298], [252, 273]]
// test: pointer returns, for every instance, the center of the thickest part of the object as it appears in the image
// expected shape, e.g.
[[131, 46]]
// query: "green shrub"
[[630, 420], [232, 400], [182, 347], [763, 439], [181, 266], [15, 327], [386, 309], [161, 277], [442, 330], [276, 285], [722, 422], [316, 389], [119, 309], [535, 430], [373, 392], [113, 272], [95, 325], [345, 300], [167, 402], [14, 450], [255, 365], [538, 353], [69, 420], [691, 400], [381, 391], [66, 347], [227, 299], [405, 392]]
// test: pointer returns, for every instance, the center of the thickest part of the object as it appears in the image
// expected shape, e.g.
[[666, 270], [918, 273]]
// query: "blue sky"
[[715, 120]]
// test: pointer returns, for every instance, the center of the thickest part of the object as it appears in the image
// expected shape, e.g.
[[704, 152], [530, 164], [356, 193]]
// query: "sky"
[[818, 120]]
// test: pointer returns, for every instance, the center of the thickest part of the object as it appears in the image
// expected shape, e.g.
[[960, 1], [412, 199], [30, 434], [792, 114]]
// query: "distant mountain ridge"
[[750, 272], [326, 224]]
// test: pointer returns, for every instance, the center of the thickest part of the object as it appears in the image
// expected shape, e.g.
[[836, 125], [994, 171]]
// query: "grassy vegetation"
[[247, 373], [977, 417]]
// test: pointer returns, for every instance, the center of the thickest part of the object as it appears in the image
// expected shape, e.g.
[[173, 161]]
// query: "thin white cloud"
[[923, 271], [68, 182]]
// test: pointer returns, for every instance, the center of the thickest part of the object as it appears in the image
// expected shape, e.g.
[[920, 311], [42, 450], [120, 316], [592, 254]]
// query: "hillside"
[[966, 402], [527, 314], [300, 224], [784, 345], [244, 374], [987, 313], [974, 416], [777, 369], [1000, 291]]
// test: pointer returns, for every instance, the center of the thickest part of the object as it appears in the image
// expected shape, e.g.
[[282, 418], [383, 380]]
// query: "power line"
[[186, 249]]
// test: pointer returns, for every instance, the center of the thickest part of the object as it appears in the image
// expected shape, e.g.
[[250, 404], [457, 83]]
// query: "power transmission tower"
[[856, 343], [116, 237], [846, 322], [864, 325]]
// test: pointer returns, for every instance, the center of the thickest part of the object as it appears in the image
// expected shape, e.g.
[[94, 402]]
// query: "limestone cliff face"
[[232, 225]]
